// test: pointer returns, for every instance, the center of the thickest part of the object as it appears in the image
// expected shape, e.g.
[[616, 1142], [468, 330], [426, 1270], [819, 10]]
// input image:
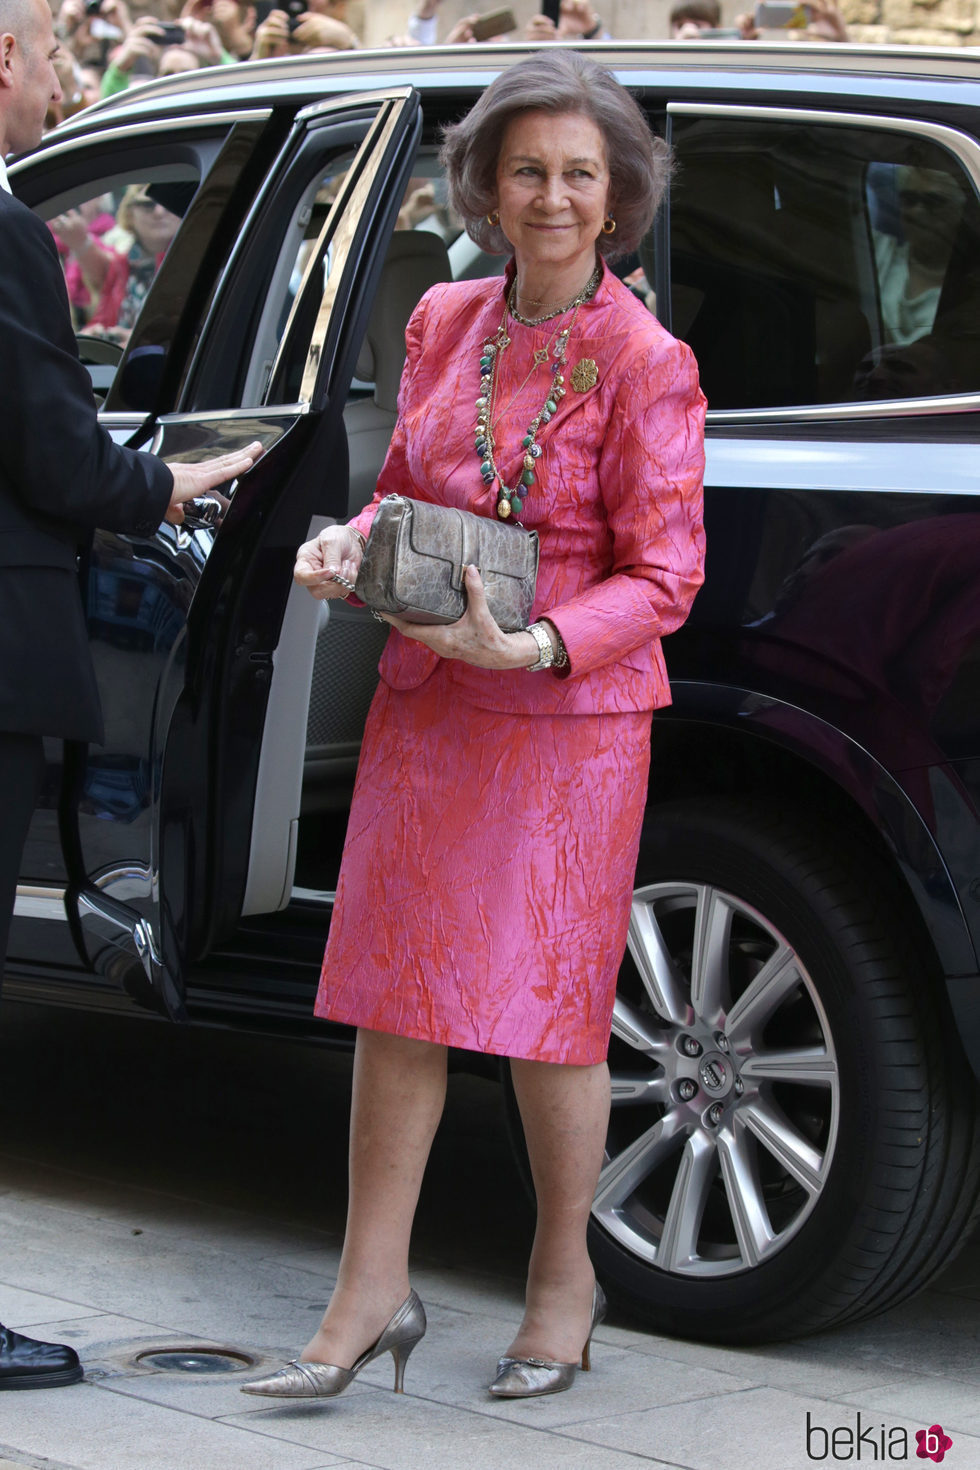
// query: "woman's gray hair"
[[557, 80]]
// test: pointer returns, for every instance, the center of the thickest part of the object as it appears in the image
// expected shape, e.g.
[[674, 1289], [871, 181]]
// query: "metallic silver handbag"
[[414, 559]]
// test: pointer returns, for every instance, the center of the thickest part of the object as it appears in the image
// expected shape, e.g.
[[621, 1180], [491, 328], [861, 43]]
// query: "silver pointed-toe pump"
[[525, 1378], [299, 1380]]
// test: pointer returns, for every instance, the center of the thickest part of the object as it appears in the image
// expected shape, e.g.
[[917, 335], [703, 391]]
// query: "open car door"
[[155, 827]]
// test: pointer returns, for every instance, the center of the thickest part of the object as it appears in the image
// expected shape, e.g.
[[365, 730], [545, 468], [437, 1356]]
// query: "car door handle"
[[203, 511]]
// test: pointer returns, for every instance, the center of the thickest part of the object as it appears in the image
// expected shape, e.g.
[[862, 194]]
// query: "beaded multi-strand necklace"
[[511, 501]]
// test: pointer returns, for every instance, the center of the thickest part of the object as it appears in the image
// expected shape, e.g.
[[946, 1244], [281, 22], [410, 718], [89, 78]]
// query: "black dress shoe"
[[26, 1363]]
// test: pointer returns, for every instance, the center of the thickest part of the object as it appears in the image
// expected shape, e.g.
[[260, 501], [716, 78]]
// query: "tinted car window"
[[818, 265], [112, 236]]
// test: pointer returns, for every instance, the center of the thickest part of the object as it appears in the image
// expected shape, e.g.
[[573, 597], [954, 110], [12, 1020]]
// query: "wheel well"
[[695, 759]]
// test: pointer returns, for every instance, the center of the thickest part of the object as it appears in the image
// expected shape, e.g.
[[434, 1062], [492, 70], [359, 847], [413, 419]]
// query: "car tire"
[[887, 1141]]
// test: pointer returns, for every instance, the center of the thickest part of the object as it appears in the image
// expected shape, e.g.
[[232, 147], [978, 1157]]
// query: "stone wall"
[[914, 22]]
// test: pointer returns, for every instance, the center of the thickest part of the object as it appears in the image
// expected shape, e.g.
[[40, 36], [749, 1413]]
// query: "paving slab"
[[931, 1400], [766, 1429], [833, 1364], [89, 1428], [397, 1432], [147, 1276], [20, 1305]]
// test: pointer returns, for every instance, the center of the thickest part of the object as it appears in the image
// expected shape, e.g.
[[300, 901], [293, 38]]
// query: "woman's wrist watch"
[[548, 656]]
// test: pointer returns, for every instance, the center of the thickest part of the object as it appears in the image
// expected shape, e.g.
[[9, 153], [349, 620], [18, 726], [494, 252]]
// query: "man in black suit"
[[60, 477]]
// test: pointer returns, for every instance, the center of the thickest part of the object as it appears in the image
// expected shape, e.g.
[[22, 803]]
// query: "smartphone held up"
[[782, 15], [493, 23]]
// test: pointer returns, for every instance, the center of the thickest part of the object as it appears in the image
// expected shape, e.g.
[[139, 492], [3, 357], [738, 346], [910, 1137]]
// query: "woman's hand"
[[337, 551], [71, 230], [578, 19], [826, 22], [271, 37], [201, 38], [116, 12], [475, 639], [232, 26], [141, 44], [540, 28], [71, 16], [322, 33], [462, 32]]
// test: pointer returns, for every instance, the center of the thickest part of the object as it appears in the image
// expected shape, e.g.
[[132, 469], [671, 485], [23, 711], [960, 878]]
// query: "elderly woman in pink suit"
[[485, 890]]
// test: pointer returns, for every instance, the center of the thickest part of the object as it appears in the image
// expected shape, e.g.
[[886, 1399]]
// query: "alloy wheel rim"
[[725, 1087]]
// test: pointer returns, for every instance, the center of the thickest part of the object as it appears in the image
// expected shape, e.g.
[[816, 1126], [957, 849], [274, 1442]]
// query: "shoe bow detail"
[[301, 1380]]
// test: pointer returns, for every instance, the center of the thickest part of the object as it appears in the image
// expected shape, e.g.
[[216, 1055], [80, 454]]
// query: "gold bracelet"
[[560, 660]]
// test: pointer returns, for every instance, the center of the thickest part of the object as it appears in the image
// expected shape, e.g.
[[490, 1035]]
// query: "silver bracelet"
[[546, 652]]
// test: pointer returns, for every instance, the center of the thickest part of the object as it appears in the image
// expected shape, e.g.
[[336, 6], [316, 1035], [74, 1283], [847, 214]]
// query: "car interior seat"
[[350, 640], [416, 260]]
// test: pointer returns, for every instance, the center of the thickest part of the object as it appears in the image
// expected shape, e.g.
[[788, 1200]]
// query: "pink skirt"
[[485, 888]]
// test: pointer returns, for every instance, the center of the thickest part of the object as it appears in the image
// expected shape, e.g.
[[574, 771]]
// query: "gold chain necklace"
[[587, 290]]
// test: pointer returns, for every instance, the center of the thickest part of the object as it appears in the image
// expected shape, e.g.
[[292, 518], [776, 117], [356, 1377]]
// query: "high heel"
[[525, 1378], [300, 1380]]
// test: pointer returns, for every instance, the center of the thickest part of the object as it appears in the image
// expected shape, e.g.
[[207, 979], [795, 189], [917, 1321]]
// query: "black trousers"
[[21, 772]]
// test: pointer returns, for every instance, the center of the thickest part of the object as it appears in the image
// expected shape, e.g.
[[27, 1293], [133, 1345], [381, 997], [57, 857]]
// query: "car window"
[[272, 295], [112, 235], [296, 259], [820, 265]]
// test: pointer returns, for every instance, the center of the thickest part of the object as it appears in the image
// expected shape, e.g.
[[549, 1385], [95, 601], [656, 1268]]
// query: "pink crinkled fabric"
[[487, 873]]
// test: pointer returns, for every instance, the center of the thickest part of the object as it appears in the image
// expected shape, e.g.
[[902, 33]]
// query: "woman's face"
[[552, 189], [153, 226]]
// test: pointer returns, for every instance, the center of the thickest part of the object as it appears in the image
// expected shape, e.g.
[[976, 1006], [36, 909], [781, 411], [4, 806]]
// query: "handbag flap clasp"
[[435, 534]]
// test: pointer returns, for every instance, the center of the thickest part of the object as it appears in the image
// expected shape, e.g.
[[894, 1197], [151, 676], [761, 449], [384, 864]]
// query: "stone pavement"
[[174, 1191]]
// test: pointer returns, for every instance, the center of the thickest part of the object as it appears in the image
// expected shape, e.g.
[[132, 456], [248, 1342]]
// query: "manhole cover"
[[195, 1360]]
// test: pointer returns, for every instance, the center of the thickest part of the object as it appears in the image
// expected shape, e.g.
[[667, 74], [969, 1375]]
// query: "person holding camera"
[[61, 475], [569, 20], [299, 28], [90, 28], [234, 22], [810, 20], [139, 56], [487, 877], [158, 48]]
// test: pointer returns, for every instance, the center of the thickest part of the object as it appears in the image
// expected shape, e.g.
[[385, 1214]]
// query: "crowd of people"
[[104, 49]]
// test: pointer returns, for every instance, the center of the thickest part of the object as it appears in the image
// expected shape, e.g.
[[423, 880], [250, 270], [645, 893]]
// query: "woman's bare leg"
[[565, 1112], [398, 1097]]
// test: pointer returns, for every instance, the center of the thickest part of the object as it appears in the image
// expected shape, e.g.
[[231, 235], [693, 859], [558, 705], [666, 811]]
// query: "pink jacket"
[[617, 503]]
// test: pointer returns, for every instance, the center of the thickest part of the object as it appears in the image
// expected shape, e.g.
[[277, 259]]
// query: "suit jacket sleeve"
[[651, 474], [55, 459]]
